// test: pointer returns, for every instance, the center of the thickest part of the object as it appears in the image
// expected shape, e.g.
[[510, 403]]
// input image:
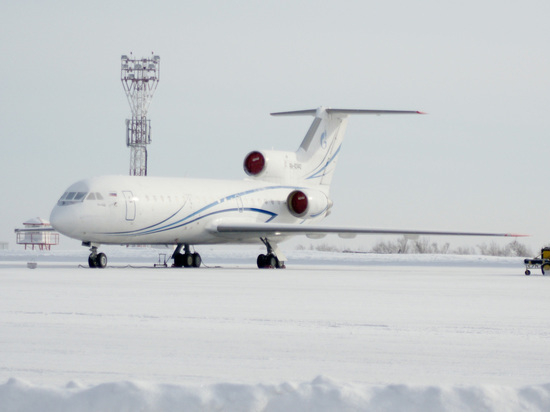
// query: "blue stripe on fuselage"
[[156, 228]]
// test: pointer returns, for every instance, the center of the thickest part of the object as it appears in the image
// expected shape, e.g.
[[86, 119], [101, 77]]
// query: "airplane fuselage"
[[156, 210]]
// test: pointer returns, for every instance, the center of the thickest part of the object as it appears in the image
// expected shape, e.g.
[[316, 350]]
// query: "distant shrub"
[[423, 245], [323, 247], [514, 248]]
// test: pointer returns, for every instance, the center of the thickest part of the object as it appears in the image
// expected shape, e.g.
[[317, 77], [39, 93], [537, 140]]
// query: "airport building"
[[37, 232]]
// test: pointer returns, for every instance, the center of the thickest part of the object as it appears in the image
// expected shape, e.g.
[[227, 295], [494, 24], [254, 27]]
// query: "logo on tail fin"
[[324, 140]]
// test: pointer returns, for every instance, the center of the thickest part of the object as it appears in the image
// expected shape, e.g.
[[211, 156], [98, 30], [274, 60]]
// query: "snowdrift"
[[322, 394]]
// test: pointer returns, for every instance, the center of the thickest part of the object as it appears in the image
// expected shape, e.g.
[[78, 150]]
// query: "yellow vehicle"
[[542, 261]]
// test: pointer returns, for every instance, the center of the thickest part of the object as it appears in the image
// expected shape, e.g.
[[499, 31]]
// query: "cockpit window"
[[98, 196], [91, 196], [70, 198]]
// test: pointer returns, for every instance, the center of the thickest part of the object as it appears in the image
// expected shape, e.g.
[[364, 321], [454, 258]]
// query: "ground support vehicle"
[[542, 261]]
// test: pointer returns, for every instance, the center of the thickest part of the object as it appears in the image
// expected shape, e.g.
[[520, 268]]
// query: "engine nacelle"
[[273, 166], [308, 204]]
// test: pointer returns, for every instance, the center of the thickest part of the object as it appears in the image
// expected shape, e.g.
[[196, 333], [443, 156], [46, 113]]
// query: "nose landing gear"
[[97, 260]]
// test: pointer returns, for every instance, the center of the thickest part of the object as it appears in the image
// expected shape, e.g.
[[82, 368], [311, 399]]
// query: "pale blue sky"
[[481, 70]]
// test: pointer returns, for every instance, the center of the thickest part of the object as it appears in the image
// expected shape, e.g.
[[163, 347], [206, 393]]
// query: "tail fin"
[[319, 150]]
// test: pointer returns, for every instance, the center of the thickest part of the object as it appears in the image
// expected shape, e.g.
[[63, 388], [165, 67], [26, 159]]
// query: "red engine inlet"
[[254, 163], [297, 203]]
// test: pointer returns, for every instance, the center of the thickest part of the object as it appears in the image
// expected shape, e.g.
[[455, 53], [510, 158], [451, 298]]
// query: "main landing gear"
[[186, 259], [97, 260], [273, 259]]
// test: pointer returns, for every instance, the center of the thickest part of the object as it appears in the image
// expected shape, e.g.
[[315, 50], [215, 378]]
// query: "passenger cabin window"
[[94, 196]]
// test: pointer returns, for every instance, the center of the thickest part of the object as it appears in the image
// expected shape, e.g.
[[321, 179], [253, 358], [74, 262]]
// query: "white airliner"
[[285, 194]]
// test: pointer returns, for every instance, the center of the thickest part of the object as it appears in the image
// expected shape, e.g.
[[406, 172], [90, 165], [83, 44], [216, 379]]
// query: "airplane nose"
[[62, 220]]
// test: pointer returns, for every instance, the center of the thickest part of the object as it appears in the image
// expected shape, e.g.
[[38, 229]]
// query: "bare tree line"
[[423, 245]]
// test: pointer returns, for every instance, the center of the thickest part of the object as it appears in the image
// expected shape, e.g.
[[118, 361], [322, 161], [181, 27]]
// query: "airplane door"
[[130, 205], [240, 206]]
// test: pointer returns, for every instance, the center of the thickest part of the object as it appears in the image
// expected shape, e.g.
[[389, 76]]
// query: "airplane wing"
[[273, 229]]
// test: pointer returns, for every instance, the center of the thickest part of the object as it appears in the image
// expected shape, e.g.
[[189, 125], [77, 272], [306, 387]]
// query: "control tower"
[[140, 78]]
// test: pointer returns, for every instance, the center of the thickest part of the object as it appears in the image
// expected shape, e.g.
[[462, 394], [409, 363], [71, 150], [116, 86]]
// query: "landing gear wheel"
[[269, 261], [545, 268], [92, 260], [197, 260], [98, 260], [178, 260], [101, 260], [261, 261], [187, 260], [527, 272], [272, 261]]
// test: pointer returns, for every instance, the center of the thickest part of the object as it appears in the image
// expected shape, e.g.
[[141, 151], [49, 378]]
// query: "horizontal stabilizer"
[[312, 112], [272, 229]]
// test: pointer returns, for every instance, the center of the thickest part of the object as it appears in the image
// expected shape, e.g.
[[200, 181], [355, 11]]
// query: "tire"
[[268, 262], [261, 261], [101, 260], [527, 272], [271, 261], [187, 260], [92, 261], [178, 260], [545, 268], [196, 260]]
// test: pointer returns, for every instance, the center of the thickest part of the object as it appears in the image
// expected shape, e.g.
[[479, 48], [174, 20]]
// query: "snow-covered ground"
[[331, 332]]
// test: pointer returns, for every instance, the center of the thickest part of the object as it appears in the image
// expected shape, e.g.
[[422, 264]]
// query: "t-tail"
[[314, 163]]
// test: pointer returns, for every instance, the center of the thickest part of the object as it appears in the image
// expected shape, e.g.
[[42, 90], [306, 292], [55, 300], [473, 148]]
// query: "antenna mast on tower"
[[140, 78]]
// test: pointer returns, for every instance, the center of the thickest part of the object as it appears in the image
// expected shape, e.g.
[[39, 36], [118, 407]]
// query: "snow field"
[[414, 333]]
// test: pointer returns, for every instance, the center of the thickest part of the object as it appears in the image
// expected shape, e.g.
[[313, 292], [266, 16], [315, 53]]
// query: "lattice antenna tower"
[[140, 78]]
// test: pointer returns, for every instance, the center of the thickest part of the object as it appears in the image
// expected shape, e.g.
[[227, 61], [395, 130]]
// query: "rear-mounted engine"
[[254, 163], [308, 205], [273, 166]]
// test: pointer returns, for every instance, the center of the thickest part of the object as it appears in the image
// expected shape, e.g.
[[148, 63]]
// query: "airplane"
[[284, 194]]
